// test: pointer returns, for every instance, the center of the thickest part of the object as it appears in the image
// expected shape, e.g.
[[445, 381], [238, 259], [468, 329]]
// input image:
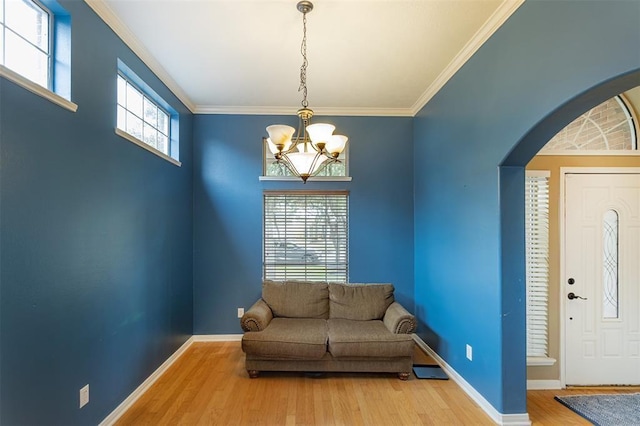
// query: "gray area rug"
[[606, 410]]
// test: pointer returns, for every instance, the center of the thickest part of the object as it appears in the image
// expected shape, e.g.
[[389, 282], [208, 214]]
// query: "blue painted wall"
[[228, 210], [95, 242], [469, 249]]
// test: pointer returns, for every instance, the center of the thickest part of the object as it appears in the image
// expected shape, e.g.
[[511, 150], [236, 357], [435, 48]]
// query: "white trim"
[[217, 337], [543, 384], [140, 390], [320, 111], [536, 361], [104, 11], [538, 173], [311, 179], [561, 221], [590, 153], [148, 147], [495, 21], [37, 89], [521, 419]]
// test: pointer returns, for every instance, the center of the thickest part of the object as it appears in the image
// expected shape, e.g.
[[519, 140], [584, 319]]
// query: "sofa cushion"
[[361, 302], [294, 299], [292, 338], [348, 338]]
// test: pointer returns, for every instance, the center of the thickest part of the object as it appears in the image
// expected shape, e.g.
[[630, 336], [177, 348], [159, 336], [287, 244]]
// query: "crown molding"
[[495, 21], [126, 35], [290, 110]]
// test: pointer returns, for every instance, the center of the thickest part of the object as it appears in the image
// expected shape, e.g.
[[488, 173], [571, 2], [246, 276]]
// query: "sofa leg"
[[253, 373], [403, 376]]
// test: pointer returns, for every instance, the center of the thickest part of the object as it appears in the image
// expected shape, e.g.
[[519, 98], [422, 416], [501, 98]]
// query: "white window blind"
[[537, 260], [306, 236]]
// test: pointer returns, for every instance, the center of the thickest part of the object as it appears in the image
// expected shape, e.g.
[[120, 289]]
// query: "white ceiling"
[[384, 57]]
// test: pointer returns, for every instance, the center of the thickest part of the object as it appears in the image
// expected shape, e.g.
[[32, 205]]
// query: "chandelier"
[[315, 146]]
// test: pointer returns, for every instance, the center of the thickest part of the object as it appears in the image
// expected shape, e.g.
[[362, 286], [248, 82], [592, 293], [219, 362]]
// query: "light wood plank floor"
[[208, 385]]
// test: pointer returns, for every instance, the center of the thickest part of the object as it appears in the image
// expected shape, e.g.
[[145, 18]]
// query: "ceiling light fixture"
[[315, 146]]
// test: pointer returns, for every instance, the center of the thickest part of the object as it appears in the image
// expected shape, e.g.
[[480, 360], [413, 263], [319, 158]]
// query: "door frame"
[[564, 171]]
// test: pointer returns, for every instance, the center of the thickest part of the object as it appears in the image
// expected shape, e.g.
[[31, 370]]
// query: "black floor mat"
[[429, 372]]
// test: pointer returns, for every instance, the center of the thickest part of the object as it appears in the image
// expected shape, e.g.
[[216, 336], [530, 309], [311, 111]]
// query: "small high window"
[[25, 41], [141, 117]]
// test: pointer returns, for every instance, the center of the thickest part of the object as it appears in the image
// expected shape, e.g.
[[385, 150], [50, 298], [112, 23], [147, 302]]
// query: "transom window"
[[273, 169], [306, 236], [141, 117], [609, 128], [25, 42]]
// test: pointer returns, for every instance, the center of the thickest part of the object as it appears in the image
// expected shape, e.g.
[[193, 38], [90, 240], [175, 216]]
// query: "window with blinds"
[[537, 260], [306, 236]]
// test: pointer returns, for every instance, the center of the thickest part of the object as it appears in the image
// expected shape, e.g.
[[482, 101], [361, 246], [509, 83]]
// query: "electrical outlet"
[[84, 396], [469, 353], [240, 312]]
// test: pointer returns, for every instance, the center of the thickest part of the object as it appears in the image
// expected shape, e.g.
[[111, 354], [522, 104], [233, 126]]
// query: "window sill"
[[540, 361], [311, 179], [149, 148], [37, 89]]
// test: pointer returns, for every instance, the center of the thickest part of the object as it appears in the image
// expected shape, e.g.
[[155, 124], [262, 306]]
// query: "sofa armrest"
[[257, 318], [398, 320]]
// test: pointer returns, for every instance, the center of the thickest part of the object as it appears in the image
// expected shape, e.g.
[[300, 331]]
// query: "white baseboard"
[[501, 419], [140, 390], [543, 384], [217, 337]]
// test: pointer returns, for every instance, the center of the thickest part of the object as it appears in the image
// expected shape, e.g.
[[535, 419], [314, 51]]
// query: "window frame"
[[277, 269]]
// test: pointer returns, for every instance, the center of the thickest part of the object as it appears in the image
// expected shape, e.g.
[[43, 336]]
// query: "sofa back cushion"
[[361, 302], [295, 299]]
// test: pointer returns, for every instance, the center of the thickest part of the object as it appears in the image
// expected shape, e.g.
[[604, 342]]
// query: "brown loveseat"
[[317, 327]]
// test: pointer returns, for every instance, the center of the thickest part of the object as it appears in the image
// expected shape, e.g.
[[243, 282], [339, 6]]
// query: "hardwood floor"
[[208, 385]]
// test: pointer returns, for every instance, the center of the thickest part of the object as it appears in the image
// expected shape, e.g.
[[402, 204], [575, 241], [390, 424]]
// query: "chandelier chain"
[[305, 62]]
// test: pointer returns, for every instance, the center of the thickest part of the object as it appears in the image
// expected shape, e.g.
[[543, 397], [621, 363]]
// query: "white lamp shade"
[[320, 132], [302, 161], [280, 134], [272, 147], [336, 144]]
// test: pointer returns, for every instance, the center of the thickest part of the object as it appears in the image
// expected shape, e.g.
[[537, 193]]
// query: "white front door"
[[601, 283]]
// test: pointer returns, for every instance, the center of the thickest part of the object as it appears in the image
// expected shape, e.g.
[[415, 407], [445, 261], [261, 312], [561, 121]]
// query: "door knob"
[[571, 281], [572, 296]]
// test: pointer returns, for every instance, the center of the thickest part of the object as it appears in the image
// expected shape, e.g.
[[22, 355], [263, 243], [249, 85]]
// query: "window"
[[608, 128], [141, 117], [610, 300], [35, 48], [537, 261], [25, 44], [306, 236], [271, 170]]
